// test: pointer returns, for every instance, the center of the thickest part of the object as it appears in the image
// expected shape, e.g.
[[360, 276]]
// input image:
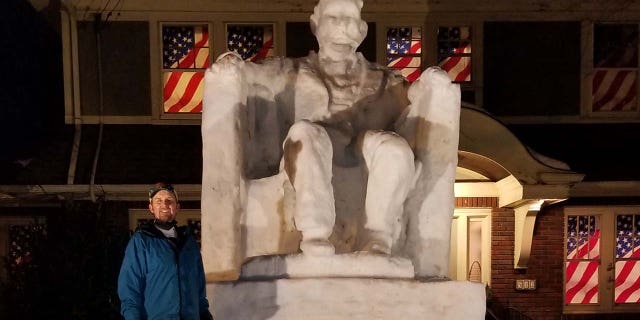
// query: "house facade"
[[547, 192]]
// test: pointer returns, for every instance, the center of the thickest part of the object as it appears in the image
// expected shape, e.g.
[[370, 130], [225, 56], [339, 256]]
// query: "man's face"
[[339, 29], [164, 206]]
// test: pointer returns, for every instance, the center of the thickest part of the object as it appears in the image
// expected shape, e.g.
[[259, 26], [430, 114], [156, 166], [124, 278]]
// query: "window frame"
[[589, 69], [12, 220], [463, 84], [157, 101], [606, 294], [419, 55], [430, 51], [274, 32]]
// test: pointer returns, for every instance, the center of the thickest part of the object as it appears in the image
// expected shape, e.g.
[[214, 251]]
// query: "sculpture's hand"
[[433, 98], [231, 56], [227, 68], [434, 78], [224, 85]]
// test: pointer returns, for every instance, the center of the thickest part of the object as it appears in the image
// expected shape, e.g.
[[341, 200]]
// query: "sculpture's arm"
[[431, 125], [223, 184]]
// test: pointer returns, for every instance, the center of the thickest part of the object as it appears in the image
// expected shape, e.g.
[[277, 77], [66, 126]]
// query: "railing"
[[496, 311], [515, 314]]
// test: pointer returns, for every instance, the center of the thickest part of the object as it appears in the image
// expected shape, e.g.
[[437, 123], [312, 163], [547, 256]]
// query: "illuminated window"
[[615, 62], [404, 47], [627, 261], [185, 56], [251, 42], [602, 260], [454, 52], [582, 259]]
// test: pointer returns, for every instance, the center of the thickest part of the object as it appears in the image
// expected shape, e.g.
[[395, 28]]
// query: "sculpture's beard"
[[342, 73]]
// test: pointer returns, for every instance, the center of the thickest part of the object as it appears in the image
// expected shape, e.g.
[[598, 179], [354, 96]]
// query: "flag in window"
[[185, 47], [628, 248], [404, 46], [251, 42], [583, 254], [614, 90], [454, 52], [185, 55], [615, 59]]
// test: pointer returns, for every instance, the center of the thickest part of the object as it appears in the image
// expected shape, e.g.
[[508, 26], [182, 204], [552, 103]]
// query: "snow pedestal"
[[284, 287]]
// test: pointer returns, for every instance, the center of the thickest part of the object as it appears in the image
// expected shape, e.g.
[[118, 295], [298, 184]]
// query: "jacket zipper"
[[176, 254]]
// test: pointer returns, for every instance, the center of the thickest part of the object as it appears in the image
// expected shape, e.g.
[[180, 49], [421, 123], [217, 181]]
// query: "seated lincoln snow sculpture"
[[332, 110]]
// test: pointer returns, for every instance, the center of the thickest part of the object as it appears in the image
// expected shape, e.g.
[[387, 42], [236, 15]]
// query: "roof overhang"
[[525, 181]]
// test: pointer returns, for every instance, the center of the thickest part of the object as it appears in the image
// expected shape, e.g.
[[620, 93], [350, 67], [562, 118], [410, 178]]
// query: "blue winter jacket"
[[160, 279]]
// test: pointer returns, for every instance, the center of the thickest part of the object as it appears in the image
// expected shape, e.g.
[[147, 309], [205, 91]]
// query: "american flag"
[[616, 62], [454, 52], [184, 47], [404, 46], [628, 271], [614, 90], [583, 260], [252, 43]]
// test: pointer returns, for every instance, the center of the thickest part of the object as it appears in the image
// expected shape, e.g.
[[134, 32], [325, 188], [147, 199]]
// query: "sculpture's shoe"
[[317, 247], [377, 246], [378, 243]]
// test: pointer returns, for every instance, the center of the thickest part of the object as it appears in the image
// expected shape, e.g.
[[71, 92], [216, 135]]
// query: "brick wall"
[[545, 264], [476, 202]]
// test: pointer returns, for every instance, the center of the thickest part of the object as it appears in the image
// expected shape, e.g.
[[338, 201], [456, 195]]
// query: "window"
[[582, 260], [23, 240], [602, 259], [615, 63], [20, 237], [185, 56], [251, 42], [404, 47], [454, 52], [470, 256], [627, 261]]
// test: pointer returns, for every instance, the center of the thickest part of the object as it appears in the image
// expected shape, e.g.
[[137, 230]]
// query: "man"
[[162, 275], [353, 112]]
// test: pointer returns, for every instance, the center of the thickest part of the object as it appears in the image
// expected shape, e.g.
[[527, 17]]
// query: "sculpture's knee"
[[396, 147], [387, 146], [307, 142], [305, 130]]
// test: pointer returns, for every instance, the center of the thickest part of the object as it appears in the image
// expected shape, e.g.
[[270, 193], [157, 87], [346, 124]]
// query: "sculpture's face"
[[340, 30], [164, 206]]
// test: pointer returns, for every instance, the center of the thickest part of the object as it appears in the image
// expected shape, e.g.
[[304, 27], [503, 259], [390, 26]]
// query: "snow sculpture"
[[329, 154]]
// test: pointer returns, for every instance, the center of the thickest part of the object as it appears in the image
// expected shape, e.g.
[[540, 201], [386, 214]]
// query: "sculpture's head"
[[338, 27], [163, 202]]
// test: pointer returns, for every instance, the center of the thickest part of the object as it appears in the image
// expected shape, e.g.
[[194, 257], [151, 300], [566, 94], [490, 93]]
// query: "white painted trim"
[[66, 24], [476, 189], [87, 119], [605, 189], [111, 192], [509, 191], [525, 219]]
